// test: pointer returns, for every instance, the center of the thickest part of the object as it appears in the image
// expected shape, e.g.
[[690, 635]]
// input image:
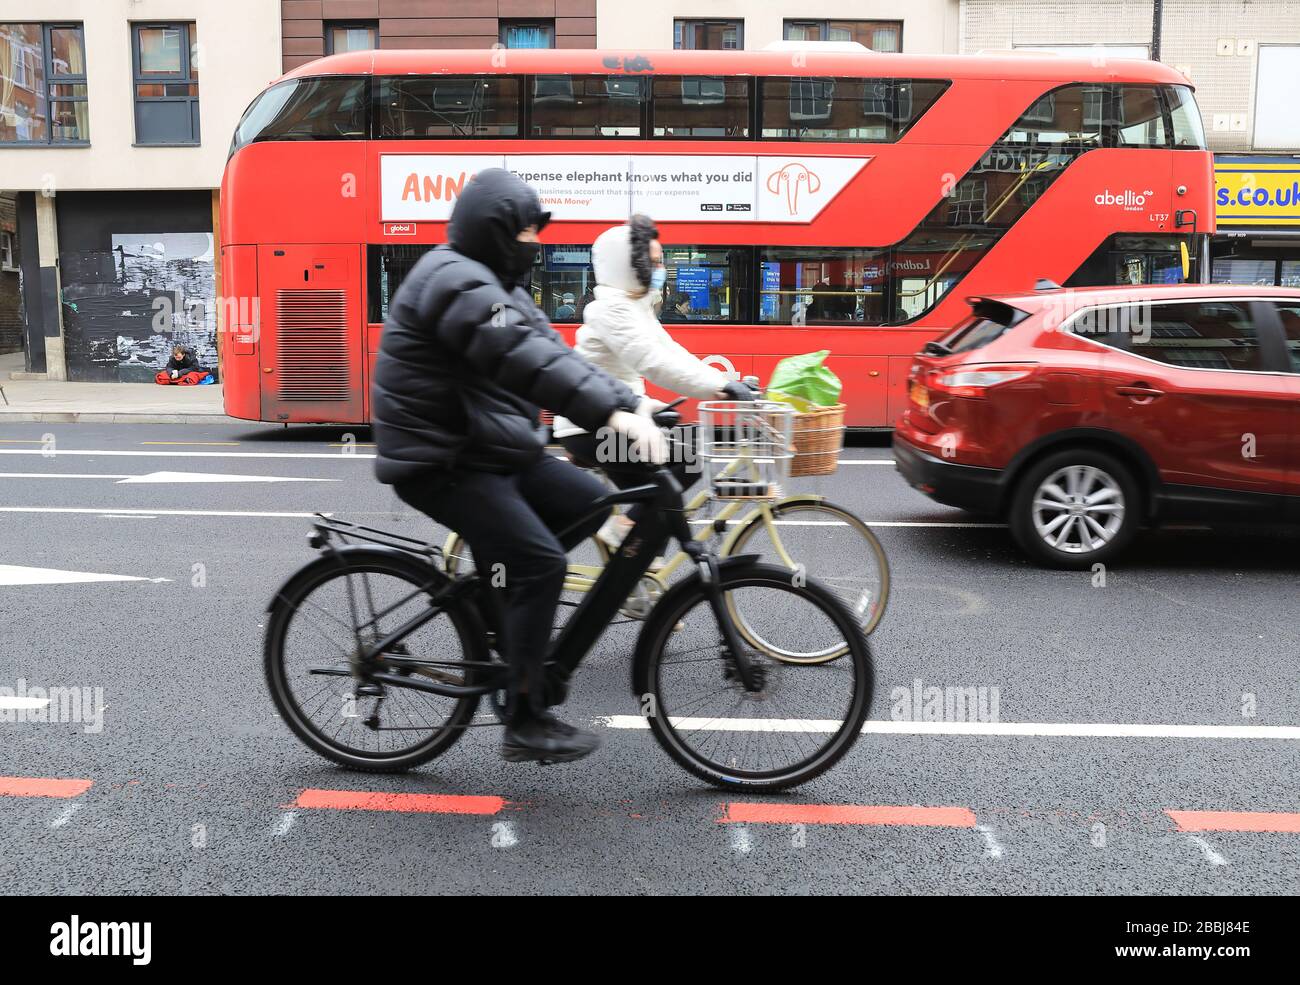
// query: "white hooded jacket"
[[621, 335]]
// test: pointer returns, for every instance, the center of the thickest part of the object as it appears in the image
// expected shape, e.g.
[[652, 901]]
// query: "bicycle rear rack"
[[326, 528]]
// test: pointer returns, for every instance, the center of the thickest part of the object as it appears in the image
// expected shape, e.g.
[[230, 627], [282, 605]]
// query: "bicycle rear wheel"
[[829, 543], [316, 626], [799, 723]]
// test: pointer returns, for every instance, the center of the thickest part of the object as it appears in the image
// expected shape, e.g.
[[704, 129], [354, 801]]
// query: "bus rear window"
[[307, 109]]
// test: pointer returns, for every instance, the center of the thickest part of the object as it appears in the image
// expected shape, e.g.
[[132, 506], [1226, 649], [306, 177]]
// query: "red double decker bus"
[[807, 200]]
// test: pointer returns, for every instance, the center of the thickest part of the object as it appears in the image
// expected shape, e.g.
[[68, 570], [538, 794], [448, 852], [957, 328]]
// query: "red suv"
[[1081, 414]]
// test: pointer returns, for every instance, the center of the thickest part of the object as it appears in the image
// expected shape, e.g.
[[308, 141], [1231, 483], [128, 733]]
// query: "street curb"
[[87, 417]]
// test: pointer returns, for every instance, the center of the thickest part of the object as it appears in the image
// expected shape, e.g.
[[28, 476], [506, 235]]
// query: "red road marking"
[[37, 786], [418, 803], [1279, 821], [944, 817]]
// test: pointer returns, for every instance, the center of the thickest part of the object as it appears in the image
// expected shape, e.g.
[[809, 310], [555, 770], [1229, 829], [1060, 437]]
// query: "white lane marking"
[[65, 815], [1082, 730], [740, 840], [60, 475], [1211, 856], [991, 847], [116, 511], [12, 703], [283, 825], [47, 453], [866, 461], [155, 477], [14, 574], [128, 516], [869, 523]]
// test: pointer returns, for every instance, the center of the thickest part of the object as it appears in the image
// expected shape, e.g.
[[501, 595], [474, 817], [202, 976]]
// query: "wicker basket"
[[818, 438]]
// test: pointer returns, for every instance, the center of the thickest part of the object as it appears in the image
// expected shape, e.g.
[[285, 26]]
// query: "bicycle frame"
[[662, 518], [581, 577]]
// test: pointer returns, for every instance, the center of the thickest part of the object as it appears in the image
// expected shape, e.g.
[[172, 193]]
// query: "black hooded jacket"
[[467, 358]]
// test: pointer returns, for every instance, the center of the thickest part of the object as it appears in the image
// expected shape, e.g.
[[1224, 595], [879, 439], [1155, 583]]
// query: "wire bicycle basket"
[[746, 447]]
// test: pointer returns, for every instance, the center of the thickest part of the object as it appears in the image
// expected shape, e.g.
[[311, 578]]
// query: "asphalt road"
[[194, 785]]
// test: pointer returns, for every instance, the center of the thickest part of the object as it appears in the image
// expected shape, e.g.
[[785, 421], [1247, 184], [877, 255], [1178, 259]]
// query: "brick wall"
[[11, 312], [430, 23]]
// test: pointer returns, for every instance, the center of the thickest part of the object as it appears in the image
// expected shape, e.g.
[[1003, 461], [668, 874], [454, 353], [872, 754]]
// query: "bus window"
[[701, 106], [821, 286], [1188, 131], [386, 268], [449, 106], [1127, 259], [874, 110], [704, 284], [587, 105], [927, 265], [1140, 118], [562, 282], [306, 109]]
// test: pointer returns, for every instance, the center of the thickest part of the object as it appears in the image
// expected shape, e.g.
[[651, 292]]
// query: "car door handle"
[[1139, 393]]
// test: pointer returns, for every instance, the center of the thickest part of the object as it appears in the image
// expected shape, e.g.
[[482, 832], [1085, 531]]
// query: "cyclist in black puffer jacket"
[[465, 362]]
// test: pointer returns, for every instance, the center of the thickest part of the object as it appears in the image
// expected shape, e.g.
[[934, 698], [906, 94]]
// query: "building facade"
[[313, 28], [920, 26], [1243, 57], [115, 121]]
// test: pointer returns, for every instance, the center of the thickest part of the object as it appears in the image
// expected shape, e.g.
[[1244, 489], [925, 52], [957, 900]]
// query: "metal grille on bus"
[[313, 345]]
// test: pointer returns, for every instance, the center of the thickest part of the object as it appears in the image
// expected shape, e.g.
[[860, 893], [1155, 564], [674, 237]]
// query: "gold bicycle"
[[806, 533]]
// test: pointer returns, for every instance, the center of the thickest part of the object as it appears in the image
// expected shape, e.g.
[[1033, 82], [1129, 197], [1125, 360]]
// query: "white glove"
[[649, 406], [640, 438]]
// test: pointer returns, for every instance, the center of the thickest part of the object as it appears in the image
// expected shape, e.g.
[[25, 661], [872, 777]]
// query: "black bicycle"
[[378, 659]]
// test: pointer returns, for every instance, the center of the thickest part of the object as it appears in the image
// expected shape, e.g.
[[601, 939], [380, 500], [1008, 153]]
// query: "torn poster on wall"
[[124, 309]]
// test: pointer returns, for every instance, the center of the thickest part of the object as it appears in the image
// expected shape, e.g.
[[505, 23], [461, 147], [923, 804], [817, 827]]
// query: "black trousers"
[[510, 523]]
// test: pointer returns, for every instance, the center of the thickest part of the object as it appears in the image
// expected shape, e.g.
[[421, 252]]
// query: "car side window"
[[1289, 314], [1198, 335]]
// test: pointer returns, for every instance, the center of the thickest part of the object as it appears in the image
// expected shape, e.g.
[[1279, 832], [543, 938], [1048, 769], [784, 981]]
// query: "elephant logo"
[[790, 179]]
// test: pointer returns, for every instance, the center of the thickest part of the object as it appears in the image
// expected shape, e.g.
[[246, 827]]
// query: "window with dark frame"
[[341, 36], [708, 35], [531, 33], [166, 83], [876, 35], [43, 96], [7, 251]]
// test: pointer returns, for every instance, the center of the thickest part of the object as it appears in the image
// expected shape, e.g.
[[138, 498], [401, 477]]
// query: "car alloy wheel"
[[1078, 509]]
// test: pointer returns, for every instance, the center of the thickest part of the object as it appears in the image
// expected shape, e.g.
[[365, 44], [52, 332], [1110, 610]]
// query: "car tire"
[[1084, 487]]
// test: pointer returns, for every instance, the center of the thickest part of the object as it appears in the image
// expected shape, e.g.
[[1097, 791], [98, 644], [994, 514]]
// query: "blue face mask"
[[658, 278]]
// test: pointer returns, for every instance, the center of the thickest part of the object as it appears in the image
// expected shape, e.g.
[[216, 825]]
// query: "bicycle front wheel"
[[799, 721], [819, 540]]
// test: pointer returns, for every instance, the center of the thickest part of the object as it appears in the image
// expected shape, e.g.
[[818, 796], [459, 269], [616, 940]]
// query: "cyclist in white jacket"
[[621, 335]]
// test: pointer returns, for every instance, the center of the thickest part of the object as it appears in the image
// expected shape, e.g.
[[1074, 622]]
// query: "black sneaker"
[[543, 738]]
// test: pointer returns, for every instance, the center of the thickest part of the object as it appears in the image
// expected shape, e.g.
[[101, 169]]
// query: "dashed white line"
[[741, 843], [1211, 856], [65, 815], [15, 703], [122, 512], [284, 823], [991, 847], [1080, 730]]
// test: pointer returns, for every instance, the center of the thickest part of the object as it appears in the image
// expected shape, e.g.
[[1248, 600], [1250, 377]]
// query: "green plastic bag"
[[805, 382]]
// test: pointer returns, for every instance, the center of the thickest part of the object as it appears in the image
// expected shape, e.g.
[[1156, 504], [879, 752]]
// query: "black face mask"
[[519, 261]]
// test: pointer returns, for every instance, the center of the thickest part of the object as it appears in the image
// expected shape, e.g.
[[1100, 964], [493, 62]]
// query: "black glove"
[[736, 390]]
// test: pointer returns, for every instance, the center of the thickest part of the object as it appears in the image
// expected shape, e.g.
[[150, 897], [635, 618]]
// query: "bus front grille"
[[313, 345]]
